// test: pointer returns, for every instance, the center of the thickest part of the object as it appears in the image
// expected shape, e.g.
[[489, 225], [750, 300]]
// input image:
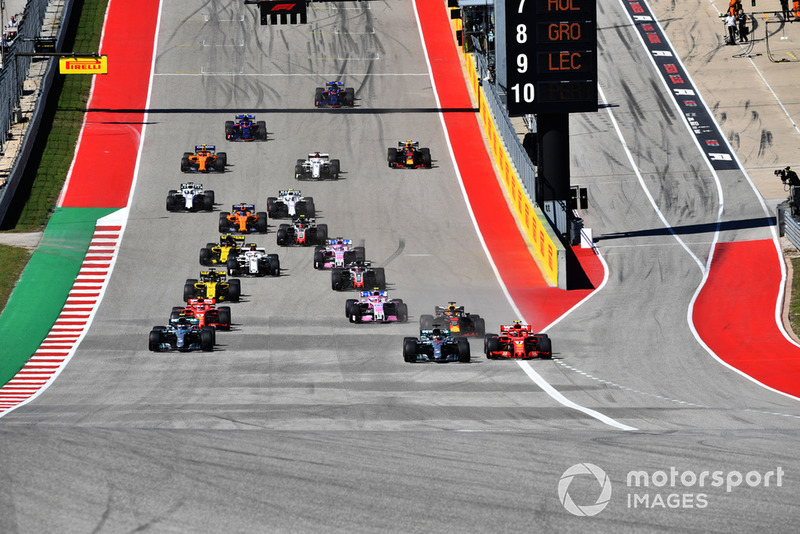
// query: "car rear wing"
[[334, 84], [402, 144], [243, 206], [212, 275], [210, 148], [515, 328], [365, 294], [336, 241], [285, 192], [245, 116], [238, 239], [192, 185], [321, 155]]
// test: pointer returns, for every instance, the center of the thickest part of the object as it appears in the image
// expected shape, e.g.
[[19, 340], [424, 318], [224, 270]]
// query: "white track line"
[[533, 375]]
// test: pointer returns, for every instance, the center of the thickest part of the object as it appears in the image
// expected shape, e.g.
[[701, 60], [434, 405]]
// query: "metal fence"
[[518, 155], [791, 230], [15, 68], [14, 73]]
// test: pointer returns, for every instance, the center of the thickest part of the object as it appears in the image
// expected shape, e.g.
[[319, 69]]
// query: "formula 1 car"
[[246, 128], [290, 203], [436, 345], [229, 246], [302, 232], [244, 219], [212, 285], [205, 158], [375, 306], [517, 341], [318, 166], [183, 334], [206, 312], [191, 197], [254, 261], [408, 155], [333, 95], [337, 253], [358, 275], [458, 322]]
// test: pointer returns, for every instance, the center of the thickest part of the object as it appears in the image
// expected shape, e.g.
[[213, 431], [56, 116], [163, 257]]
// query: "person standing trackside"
[[730, 22], [741, 18], [785, 9]]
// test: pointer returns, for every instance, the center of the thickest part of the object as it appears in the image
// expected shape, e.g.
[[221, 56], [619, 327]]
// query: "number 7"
[[521, 6]]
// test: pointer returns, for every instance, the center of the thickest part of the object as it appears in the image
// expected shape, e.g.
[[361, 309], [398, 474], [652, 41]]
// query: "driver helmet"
[[253, 246]]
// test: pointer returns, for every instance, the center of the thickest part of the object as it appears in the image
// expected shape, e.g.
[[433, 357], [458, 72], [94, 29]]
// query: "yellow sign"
[[83, 65]]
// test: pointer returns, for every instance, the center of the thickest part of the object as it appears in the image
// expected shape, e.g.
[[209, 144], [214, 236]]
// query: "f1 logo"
[[276, 12]]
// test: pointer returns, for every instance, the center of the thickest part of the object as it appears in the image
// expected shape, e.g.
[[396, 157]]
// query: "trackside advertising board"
[[83, 65]]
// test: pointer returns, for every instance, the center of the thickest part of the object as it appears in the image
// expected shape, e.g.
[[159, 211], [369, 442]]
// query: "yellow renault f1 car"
[[212, 285], [229, 246]]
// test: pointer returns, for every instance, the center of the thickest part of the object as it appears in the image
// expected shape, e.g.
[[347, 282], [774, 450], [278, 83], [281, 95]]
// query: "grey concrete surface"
[[301, 422]]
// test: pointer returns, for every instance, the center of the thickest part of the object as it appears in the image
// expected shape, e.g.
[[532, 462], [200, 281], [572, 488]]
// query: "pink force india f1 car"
[[375, 306]]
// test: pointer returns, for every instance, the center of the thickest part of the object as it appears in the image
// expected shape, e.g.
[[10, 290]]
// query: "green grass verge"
[[12, 262], [47, 175], [794, 302]]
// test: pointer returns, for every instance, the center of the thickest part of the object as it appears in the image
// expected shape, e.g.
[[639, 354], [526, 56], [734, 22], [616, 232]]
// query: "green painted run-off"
[[42, 290]]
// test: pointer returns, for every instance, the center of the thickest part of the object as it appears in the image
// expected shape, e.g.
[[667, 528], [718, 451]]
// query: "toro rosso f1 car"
[[183, 334], [517, 341], [289, 204], [244, 219], [459, 322], [334, 95], [205, 158], [190, 197], [229, 246], [206, 313], [337, 253], [212, 285], [375, 306], [254, 261], [358, 275], [436, 345], [246, 128], [303, 232], [318, 166], [408, 155]]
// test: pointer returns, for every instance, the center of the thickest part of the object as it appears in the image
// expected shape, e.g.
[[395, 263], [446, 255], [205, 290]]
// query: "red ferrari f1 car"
[[517, 341]]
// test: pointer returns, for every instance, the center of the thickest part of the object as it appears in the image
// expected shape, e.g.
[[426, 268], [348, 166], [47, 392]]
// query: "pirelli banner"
[[83, 65]]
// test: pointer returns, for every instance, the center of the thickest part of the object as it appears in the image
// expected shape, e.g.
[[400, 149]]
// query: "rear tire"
[[336, 279], [205, 256], [479, 324], [334, 169], [380, 278], [545, 346], [154, 342], [322, 234], [272, 207], [234, 290], [261, 223], [261, 132], [274, 264], [349, 96], [282, 238], [402, 312], [347, 304], [491, 345], [463, 350], [319, 258], [229, 130], [207, 339], [223, 222], [189, 291], [225, 317], [232, 266], [426, 160], [425, 322], [391, 156], [410, 349], [318, 97], [360, 253]]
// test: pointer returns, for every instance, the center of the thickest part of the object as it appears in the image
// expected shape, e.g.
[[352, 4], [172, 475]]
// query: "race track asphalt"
[[300, 421]]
